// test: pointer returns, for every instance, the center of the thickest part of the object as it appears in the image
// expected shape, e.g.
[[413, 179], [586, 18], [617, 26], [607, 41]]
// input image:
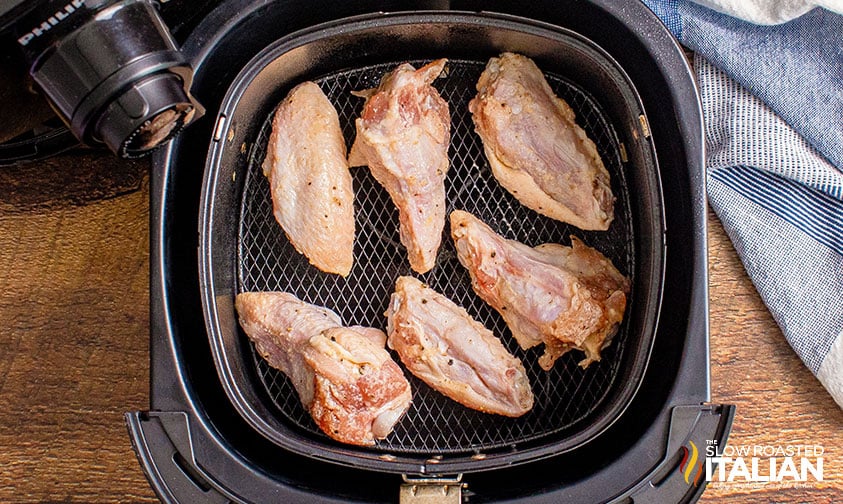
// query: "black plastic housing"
[[195, 446], [119, 95], [31, 29], [110, 69], [459, 36]]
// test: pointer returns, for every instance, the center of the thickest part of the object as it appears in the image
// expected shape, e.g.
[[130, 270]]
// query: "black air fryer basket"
[[223, 423]]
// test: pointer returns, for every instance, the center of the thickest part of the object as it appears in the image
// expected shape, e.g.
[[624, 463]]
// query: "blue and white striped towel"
[[772, 99]]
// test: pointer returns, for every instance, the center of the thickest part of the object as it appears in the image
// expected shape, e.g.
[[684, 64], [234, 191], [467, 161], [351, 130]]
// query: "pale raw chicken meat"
[[536, 149], [440, 343], [344, 376], [403, 135], [312, 196], [565, 297]]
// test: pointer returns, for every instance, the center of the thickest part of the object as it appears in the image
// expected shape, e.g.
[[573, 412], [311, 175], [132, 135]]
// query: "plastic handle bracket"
[[162, 444], [680, 478]]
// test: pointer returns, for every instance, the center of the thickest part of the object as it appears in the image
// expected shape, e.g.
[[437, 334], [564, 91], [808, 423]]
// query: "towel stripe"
[[815, 213], [742, 130]]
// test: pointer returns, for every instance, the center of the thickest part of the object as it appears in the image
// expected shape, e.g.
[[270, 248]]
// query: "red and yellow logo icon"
[[691, 461]]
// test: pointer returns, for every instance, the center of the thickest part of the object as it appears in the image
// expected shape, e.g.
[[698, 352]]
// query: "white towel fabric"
[[780, 203], [769, 12], [742, 131]]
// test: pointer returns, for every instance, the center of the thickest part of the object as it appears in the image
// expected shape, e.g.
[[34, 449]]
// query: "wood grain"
[[74, 344], [779, 402]]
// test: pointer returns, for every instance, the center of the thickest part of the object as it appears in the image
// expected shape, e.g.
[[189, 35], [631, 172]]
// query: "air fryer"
[[222, 426]]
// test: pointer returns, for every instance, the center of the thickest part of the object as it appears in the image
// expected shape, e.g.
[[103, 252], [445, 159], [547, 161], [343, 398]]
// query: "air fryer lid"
[[242, 248]]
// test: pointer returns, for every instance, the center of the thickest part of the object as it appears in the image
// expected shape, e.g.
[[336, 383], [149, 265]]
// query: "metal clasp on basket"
[[431, 490]]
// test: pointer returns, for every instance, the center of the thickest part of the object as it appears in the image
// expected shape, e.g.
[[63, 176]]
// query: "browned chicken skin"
[[344, 376], [403, 136], [440, 343], [536, 150], [565, 297]]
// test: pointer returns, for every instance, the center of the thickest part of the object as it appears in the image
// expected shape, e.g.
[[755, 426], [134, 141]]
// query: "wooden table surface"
[[74, 353]]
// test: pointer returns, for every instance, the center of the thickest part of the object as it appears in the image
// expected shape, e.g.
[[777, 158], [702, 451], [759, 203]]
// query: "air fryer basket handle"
[[680, 478], [163, 446], [170, 473]]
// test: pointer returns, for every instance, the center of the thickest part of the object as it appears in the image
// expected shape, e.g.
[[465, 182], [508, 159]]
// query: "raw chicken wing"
[[312, 196], [403, 135], [536, 150], [565, 297], [344, 376], [440, 343]]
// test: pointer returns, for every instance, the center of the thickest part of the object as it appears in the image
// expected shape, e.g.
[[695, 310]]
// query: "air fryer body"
[[195, 447]]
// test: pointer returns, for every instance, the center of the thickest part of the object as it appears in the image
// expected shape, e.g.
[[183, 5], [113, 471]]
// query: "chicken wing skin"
[[403, 135], [312, 195], [535, 148], [440, 343], [344, 376], [565, 297]]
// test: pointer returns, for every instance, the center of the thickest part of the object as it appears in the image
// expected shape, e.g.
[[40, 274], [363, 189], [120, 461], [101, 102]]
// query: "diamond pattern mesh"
[[434, 423]]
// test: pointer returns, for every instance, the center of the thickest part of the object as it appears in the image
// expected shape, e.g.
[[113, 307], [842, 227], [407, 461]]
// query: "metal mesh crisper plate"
[[434, 423]]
